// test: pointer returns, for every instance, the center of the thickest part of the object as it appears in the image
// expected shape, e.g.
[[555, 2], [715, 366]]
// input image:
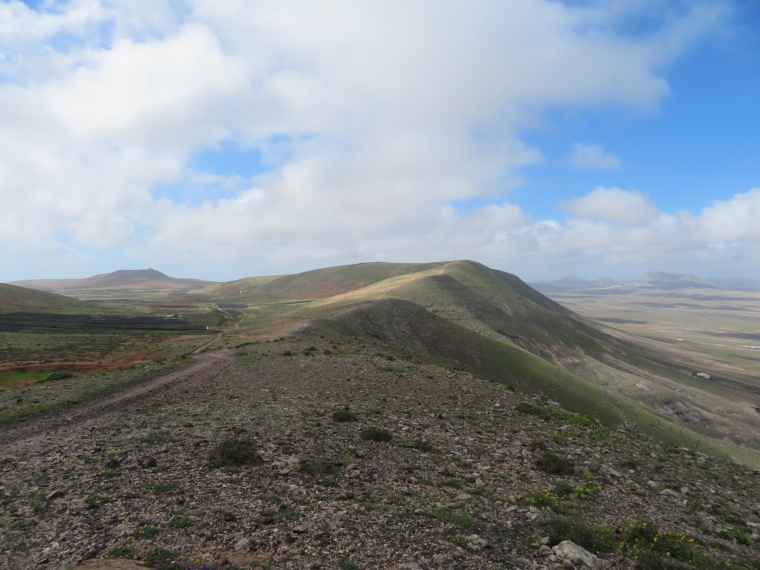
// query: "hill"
[[660, 279], [490, 322], [316, 284], [121, 279], [14, 298]]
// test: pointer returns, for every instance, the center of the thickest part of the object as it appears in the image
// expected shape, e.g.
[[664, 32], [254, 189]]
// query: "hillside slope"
[[468, 304], [316, 284], [14, 298], [337, 453]]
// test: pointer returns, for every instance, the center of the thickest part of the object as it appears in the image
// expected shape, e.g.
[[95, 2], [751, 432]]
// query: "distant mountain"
[[659, 278], [14, 298], [122, 279]]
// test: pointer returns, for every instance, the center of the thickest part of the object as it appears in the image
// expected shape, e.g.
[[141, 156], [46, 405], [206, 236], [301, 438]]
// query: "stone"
[[151, 462], [571, 551], [476, 543], [54, 495], [243, 544]]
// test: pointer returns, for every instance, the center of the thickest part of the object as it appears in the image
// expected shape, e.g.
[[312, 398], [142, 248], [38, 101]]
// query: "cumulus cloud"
[[615, 205], [593, 157], [372, 118]]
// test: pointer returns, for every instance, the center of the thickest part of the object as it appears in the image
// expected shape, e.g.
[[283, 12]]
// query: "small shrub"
[[537, 445], [346, 564], [145, 531], [453, 482], [541, 499], [530, 409], [562, 489], [376, 434], [343, 416], [317, 466], [161, 488], [449, 515], [233, 452], [181, 522], [629, 463], [58, 376], [582, 533], [586, 490], [737, 534], [421, 445], [581, 421], [554, 464], [125, 549]]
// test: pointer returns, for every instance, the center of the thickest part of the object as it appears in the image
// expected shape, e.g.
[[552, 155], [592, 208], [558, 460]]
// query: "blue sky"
[[222, 140]]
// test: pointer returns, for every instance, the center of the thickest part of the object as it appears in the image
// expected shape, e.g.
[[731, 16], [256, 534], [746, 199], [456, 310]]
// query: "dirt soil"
[[127, 475]]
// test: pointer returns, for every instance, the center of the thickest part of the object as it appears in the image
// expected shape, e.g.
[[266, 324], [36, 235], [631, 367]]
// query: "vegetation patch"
[[552, 463], [376, 434], [231, 452]]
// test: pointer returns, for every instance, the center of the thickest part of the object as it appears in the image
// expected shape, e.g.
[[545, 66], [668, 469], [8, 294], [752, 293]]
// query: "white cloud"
[[375, 116], [593, 157], [615, 205]]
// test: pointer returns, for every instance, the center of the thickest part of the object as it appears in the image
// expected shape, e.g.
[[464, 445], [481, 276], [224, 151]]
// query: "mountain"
[[671, 280], [14, 298], [122, 279]]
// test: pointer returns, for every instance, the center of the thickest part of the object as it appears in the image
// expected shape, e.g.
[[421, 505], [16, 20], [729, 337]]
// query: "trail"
[[218, 337], [68, 418], [392, 287]]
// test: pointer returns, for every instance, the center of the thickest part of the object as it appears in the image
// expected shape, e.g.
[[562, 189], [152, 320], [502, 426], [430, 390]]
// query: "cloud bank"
[[366, 124]]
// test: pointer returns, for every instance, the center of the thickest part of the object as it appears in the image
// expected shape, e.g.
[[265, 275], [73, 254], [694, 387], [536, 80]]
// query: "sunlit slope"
[[316, 284], [17, 299]]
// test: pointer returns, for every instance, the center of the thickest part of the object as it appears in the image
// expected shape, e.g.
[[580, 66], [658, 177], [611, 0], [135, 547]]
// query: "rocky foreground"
[[331, 453]]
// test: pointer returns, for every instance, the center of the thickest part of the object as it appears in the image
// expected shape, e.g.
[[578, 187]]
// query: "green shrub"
[[184, 521], [582, 533], [233, 452], [530, 409], [586, 490], [145, 531], [562, 489], [552, 463], [58, 376], [317, 466], [346, 564], [125, 549], [376, 434], [343, 416], [421, 445], [160, 488]]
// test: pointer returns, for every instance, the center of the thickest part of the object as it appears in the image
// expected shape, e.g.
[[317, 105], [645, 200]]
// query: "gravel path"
[[76, 417]]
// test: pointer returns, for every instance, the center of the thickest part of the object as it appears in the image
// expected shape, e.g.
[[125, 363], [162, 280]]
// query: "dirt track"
[[76, 416]]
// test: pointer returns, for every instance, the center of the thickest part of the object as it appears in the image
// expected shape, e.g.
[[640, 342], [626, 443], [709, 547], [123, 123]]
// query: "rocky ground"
[[474, 475]]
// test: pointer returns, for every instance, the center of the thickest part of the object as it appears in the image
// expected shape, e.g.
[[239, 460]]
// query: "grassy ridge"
[[317, 284]]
